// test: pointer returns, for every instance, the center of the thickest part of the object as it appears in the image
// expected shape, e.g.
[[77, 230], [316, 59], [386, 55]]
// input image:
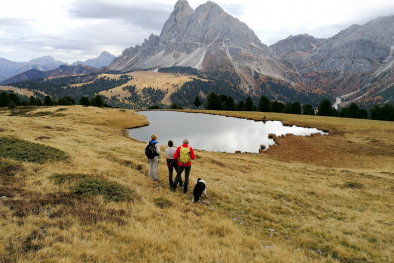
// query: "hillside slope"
[[261, 207]]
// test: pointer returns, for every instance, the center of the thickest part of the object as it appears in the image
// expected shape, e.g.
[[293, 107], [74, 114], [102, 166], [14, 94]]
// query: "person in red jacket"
[[184, 154]]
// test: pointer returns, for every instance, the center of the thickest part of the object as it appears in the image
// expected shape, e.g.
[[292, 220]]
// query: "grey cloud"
[[150, 17], [15, 22], [233, 9], [78, 44]]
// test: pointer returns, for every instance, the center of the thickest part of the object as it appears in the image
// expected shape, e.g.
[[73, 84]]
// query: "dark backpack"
[[150, 150], [172, 163]]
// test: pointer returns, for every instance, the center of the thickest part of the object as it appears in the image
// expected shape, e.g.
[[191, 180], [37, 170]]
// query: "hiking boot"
[[173, 188], [185, 190], [156, 180], [181, 185]]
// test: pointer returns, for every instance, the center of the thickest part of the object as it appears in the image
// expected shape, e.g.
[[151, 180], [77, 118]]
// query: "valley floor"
[[308, 199]]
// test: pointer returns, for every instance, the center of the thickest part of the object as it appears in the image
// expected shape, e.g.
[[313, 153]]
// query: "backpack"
[[184, 155], [150, 150], [172, 163]]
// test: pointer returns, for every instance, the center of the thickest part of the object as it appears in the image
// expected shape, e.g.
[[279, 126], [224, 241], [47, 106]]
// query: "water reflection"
[[213, 132]]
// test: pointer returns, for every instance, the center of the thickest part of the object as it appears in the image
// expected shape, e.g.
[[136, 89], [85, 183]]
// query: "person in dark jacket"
[[172, 163]]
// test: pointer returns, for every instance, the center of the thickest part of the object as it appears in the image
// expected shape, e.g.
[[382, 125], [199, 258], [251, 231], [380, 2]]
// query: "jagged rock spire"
[[178, 20]]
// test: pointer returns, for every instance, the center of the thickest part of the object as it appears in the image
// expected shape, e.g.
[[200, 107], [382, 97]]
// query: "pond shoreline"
[[263, 148]]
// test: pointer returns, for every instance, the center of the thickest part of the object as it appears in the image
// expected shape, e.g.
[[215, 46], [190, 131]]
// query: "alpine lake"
[[214, 132]]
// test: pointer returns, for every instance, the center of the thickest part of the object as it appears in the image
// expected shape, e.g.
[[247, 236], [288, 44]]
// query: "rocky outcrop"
[[355, 49], [296, 46], [355, 61]]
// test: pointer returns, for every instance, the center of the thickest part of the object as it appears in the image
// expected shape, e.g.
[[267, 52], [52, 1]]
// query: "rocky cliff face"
[[103, 60], [355, 49], [206, 39], [296, 46], [353, 61]]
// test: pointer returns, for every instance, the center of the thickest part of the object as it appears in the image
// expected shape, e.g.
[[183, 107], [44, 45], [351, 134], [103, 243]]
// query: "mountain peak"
[[182, 10], [207, 39], [103, 60], [178, 20]]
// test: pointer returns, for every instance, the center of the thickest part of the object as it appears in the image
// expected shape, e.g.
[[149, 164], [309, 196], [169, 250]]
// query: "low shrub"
[[109, 190], [162, 203], [24, 151], [68, 178], [354, 185], [22, 111], [61, 207]]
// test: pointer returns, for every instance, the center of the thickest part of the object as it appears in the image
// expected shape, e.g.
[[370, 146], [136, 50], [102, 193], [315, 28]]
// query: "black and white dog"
[[199, 189]]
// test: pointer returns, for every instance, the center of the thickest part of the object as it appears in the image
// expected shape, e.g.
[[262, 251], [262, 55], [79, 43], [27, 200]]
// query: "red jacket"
[[192, 156]]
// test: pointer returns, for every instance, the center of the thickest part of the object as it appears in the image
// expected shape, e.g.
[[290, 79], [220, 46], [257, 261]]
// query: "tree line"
[[224, 102], [60, 87], [12, 100]]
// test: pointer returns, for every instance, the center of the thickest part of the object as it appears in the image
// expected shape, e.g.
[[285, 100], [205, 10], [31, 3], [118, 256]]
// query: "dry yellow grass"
[[268, 207], [144, 79], [25, 92]]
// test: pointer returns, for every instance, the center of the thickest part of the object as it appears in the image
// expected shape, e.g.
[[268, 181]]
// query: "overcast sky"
[[71, 30]]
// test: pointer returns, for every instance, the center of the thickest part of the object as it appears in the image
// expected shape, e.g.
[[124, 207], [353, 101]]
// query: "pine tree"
[[296, 108], [264, 104], [241, 106], [48, 101], [213, 102], [307, 109], [32, 100], [197, 102], [84, 101], [325, 108], [249, 105]]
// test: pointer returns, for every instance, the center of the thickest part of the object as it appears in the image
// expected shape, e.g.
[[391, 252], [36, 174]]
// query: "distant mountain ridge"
[[10, 68], [63, 70], [355, 64], [103, 60]]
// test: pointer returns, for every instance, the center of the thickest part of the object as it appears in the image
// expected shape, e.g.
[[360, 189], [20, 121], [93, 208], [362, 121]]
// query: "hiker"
[[184, 154], [152, 151], [172, 163]]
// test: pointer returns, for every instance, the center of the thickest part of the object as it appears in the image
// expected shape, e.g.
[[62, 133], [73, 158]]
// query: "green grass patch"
[[109, 190], [58, 115], [162, 203], [22, 111], [40, 114], [24, 151], [69, 178]]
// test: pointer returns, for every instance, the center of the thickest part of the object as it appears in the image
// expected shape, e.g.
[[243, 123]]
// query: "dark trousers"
[[170, 172], [178, 177]]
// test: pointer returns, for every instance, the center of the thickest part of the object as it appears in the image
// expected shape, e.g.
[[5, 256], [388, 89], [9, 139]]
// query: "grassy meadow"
[[75, 188], [167, 82]]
